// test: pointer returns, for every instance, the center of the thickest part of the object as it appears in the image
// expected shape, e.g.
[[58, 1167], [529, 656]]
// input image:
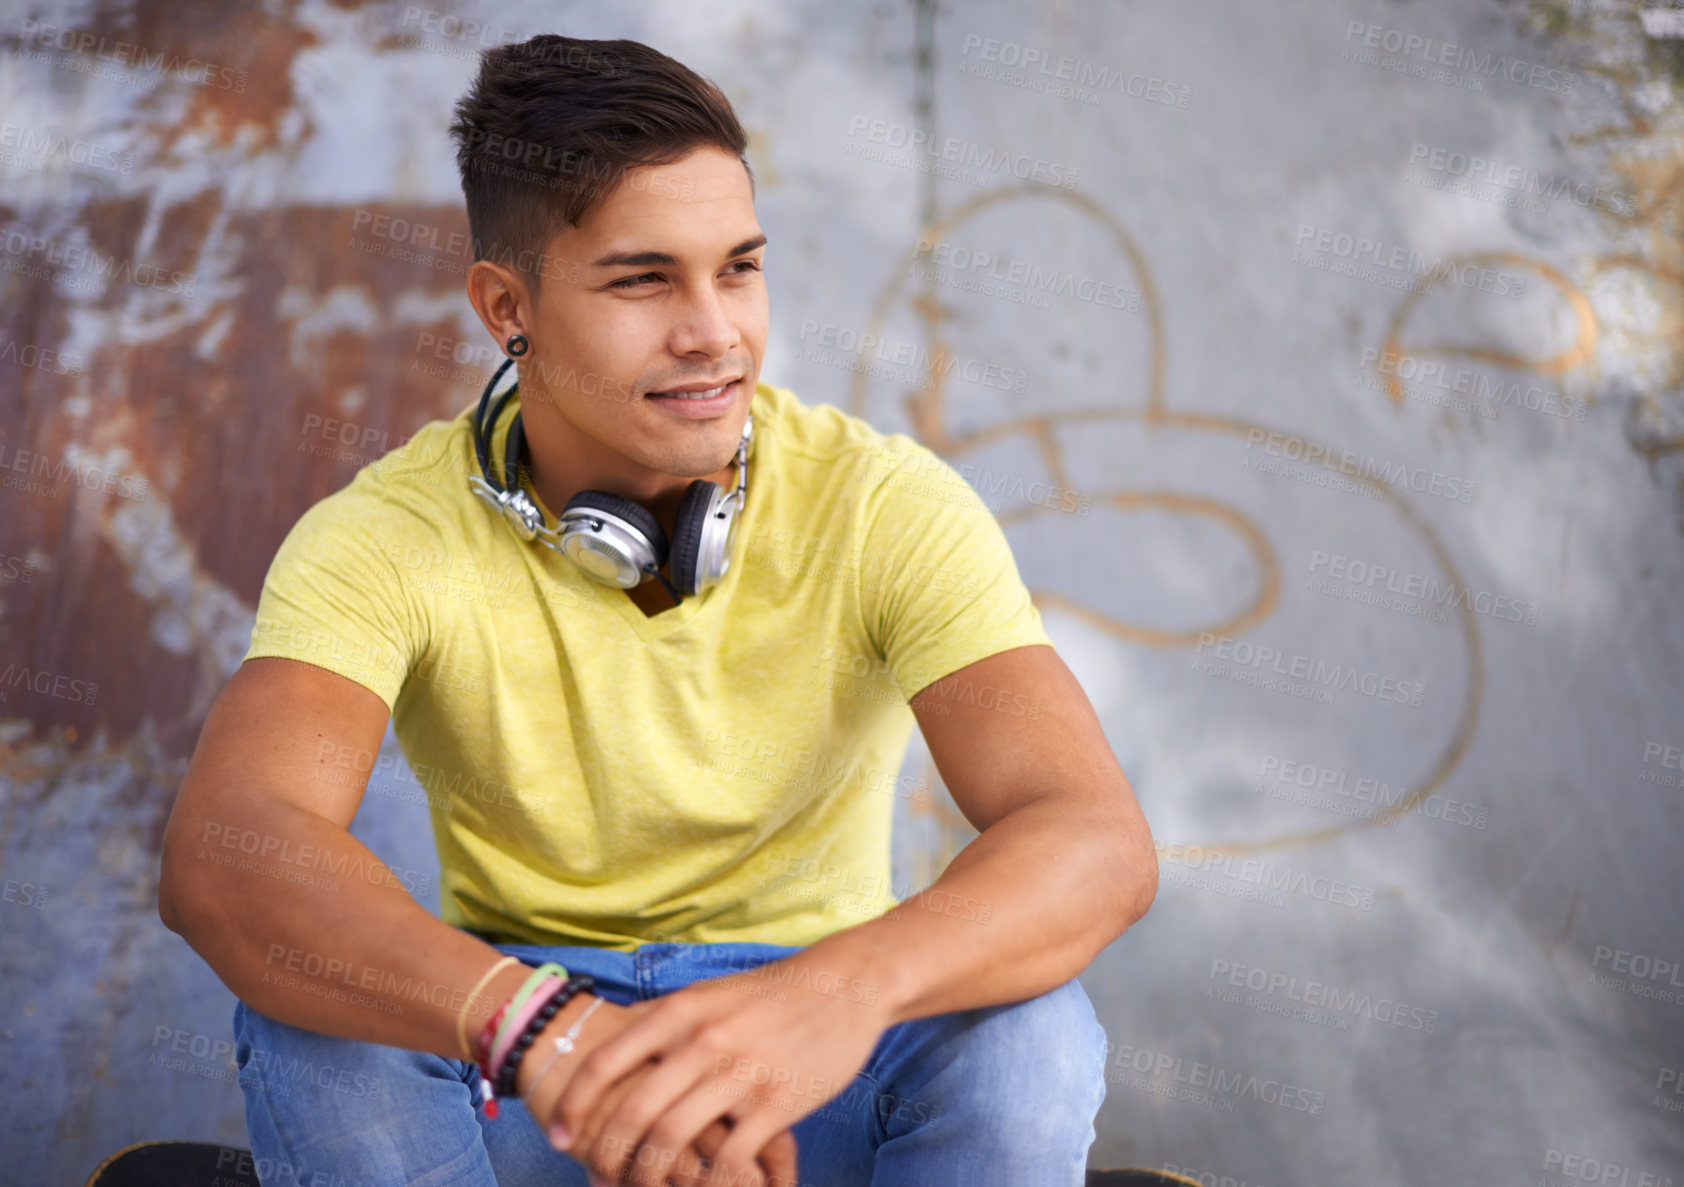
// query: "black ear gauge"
[[517, 345]]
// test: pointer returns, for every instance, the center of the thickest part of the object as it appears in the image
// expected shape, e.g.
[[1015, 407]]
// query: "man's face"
[[659, 287]]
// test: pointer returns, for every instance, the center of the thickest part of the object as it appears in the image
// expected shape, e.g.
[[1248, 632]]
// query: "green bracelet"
[[538, 977]]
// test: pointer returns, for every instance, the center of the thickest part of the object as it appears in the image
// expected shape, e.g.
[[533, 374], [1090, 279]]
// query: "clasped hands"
[[703, 1084]]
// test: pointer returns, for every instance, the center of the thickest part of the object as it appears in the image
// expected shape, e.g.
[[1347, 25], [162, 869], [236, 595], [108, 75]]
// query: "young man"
[[688, 800]]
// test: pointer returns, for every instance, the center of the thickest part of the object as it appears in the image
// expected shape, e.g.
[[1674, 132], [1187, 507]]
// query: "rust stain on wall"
[[214, 424]]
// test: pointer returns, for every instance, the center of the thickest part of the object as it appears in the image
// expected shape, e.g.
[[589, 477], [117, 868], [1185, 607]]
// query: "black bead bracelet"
[[505, 1082]]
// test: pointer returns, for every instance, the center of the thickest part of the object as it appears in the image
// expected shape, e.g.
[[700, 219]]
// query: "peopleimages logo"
[[1638, 965], [47, 146], [1485, 170], [953, 150], [1489, 390], [1309, 668], [1321, 996], [942, 363], [1395, 265], [38, 256], [1397, 475], [1584, 1169], [1196, 1074], [1671, 757], [1025, 62], [1327, 789], [1429, 51], [1357, 572], [1265, 875], [986, 265], [134, 57], [49, 684], [1641, 974]]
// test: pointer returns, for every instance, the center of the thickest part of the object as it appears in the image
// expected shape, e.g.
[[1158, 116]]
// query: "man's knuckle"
[[714, 1038], [665, 1139], [633, 1117], [571, 1116]]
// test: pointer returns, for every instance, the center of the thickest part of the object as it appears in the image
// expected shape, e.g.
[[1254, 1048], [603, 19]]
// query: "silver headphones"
[[612, 539]]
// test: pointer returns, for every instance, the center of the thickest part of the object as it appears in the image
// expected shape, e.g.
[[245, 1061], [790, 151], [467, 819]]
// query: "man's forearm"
[[305, 924], [1020, 910]]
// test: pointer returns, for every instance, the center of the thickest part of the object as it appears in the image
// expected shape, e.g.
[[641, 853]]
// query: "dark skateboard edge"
[[170, 1163]]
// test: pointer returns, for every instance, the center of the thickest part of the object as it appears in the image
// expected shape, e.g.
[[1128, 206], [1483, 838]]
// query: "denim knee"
[[1055, 1043], [1003, 1094], [284, 1059], [337, 1111], [1050, 1046]]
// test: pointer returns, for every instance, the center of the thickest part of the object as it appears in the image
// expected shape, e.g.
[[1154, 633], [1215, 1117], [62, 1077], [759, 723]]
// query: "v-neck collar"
[[696, 610]]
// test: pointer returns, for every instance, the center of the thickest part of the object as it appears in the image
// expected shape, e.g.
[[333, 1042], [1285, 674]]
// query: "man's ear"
[[502, 300]]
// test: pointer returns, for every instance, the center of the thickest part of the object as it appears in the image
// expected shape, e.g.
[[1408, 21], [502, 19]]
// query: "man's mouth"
[[704, 403], [705, 394]]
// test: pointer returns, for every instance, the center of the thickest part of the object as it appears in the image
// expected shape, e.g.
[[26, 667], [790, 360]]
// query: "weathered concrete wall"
[[1369, 559]]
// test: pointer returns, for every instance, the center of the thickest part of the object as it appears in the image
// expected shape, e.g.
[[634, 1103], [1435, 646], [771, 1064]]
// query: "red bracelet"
[[482, 1044], [482, 1052]]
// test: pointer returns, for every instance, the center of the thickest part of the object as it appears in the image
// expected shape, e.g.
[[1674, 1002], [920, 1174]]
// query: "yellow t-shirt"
[[724, 770]]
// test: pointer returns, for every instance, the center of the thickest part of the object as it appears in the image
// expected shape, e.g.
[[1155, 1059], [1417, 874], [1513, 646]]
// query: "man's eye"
[[632, 282]]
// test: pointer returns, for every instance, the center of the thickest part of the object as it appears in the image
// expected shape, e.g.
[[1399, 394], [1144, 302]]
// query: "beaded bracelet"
[[495, 1050], [515, 1026], [486, 1050], [564, 993], [505, 1079]]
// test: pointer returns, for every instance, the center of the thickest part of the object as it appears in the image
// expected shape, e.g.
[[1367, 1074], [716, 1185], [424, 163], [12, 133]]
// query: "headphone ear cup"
[[687, 535], [635, 514]]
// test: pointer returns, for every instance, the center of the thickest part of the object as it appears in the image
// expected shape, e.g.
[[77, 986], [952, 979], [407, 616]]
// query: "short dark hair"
[[551, 125]]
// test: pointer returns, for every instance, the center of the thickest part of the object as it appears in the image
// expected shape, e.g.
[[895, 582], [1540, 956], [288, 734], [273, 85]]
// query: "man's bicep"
[[286, 731], [1014, 727], [298, 725], [282, 738]]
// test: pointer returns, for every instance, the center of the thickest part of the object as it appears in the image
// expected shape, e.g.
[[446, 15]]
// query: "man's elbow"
[[178, 897], [1136, 878], [168, 909], [1145, 886]]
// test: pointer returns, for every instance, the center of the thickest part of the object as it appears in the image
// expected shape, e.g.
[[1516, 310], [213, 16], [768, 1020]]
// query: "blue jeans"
[[1003, 1094]]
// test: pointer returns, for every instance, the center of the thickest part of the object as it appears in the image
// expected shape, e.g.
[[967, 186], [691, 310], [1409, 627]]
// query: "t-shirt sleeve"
[[335, 598], [939, 587]]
